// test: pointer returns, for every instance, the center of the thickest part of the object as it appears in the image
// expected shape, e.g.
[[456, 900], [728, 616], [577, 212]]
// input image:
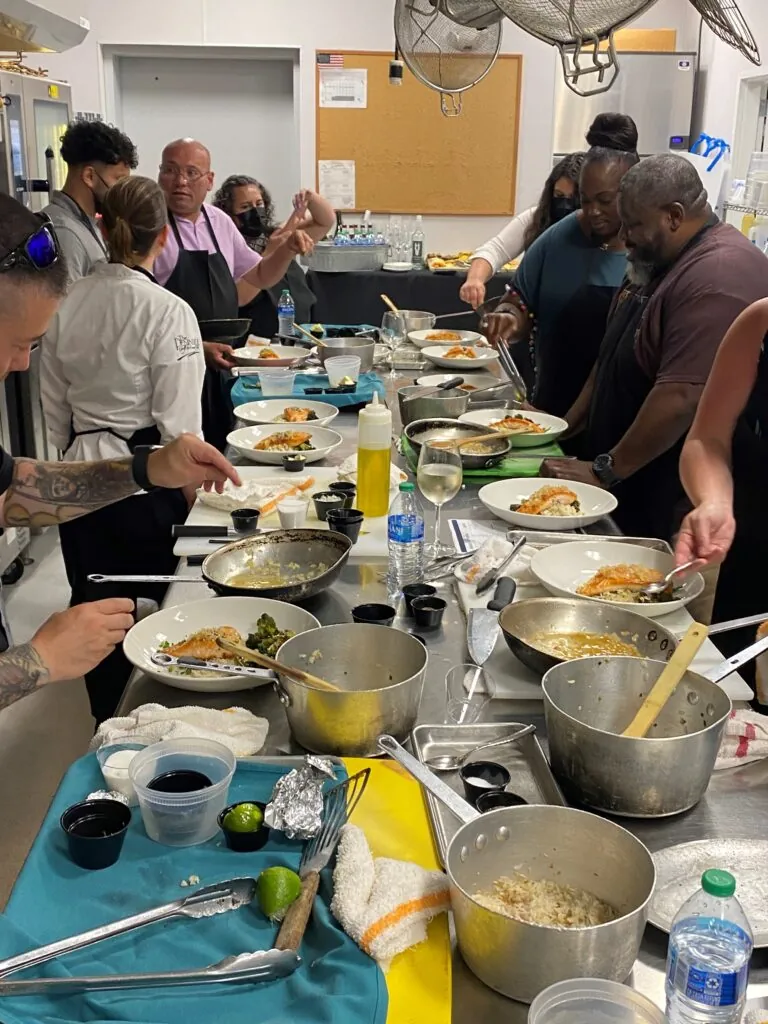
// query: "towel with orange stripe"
[[385, 905]]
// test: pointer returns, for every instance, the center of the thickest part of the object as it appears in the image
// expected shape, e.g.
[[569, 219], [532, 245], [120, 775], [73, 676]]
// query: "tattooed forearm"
[[48, 493], [21, 672]]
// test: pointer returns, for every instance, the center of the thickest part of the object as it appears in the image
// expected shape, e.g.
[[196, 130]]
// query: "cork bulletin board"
[[409, 158]]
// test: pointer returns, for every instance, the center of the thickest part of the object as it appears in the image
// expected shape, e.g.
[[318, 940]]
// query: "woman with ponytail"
[[122, 366]]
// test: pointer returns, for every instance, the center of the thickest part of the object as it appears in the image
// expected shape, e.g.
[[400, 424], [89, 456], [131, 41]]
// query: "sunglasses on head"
[[39, 250]]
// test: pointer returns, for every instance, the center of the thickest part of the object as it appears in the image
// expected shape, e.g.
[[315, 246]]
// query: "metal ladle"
[[452, 762]]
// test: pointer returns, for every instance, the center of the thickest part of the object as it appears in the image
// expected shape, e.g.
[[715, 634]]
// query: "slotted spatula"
[[340, 802]]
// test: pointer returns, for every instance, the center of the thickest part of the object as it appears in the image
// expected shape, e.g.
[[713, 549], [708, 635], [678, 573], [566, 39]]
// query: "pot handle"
[[463, 811], [282, 695], [725, 668]]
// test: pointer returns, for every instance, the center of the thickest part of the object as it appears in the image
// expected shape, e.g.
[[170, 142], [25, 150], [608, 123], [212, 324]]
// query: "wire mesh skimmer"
[[725, 19], [339, 804], [473, 13], [578, 28], [443, 53]]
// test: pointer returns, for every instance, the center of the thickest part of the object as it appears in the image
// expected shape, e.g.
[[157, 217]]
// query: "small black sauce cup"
[[294, 463], [345, 520], [481, 778], [377, 614], [414, 590], [346, 490], [245, 520], [428, 611], [95, 831], [324, 502], [244, 842], [494, 799]]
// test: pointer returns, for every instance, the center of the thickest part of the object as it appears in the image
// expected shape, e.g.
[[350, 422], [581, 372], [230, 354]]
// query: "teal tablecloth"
[[244, 391], [336, 983]]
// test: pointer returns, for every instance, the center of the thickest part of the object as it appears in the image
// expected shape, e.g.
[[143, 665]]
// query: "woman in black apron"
[[122, 366]]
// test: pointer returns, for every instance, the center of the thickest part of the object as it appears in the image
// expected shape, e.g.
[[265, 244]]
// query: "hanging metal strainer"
[[442, 53], [725, 19], [578, 28], [473, 13]]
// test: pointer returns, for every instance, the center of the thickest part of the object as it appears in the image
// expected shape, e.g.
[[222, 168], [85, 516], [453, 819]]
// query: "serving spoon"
[[452, 762], [654, 589]]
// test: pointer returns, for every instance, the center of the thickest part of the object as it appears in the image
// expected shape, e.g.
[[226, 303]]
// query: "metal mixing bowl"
[[424, 430], [351, 346], [443, 404]]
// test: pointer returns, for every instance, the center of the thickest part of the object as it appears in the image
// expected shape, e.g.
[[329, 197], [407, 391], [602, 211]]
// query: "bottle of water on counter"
[[405, 532], [286, 314], [708, 960]]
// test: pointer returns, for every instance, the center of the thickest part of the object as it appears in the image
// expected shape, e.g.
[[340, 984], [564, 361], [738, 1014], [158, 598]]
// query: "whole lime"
[[244, 818], [277, 888]]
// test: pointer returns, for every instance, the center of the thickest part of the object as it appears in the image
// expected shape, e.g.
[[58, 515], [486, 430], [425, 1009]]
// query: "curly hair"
[[88, 142], [569, 167], [224, 199]]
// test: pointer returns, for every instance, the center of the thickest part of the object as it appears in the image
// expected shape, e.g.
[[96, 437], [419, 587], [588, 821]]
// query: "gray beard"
[[640, 272]]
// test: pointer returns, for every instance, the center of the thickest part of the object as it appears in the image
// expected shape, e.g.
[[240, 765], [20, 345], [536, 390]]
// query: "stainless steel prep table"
[[736, 803]]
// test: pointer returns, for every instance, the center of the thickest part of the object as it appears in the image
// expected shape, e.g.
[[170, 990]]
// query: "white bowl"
[[176, 624], [553, 425], [498, 496], [422, 339], [286, 354], [246, 438], [266, 411], [562, 568], [436, 354]]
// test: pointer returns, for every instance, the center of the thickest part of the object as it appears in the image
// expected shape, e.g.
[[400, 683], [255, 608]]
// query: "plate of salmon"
[[544, 504]]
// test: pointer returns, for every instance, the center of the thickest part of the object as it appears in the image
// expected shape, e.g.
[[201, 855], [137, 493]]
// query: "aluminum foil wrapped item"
[[103, 794], [296, 807]]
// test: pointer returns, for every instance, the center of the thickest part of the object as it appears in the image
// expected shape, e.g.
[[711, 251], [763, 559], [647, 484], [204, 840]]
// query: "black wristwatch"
[[602, 467], [141, 455]]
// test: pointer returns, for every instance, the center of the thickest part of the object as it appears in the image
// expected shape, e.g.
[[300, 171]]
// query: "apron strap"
[[175, 229], [211, 232], [143, 436]]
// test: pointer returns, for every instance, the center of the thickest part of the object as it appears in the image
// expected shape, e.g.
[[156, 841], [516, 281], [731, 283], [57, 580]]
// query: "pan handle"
[[97, 577], [725, 668], [282, 695], [463, 811]]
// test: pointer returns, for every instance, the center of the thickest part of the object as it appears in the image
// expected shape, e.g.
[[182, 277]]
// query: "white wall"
[[329, 24]]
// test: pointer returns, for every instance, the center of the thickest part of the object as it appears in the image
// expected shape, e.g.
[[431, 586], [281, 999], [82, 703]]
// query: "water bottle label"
[[405, 528], [708, 988]]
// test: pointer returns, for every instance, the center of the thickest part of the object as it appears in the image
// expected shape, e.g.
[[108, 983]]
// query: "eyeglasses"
[[190, 173], [40, 250]]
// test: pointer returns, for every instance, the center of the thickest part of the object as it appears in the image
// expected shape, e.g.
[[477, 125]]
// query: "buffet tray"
[[531, 777], [543, 538]]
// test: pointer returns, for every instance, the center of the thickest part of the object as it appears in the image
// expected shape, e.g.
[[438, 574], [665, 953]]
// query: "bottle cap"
[[718, 883], [406, 487]]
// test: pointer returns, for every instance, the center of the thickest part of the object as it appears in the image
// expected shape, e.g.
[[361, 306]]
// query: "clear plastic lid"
[[593, 1001]]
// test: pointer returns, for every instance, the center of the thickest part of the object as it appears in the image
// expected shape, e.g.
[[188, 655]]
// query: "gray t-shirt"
[[78, 236]]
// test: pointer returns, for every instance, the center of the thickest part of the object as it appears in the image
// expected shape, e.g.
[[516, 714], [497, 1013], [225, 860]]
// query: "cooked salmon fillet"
[[545, 497], [296, 414], [619, 577], [518, 425], [289, 438], [202, 644]]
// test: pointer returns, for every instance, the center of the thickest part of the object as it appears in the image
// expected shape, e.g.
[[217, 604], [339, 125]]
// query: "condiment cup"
[[414, 590], [244, 842], [95, 831], [292, 513], [345, 520], [324, 502], [377, 614], [493, 800], [245, 520], [294, 463], [347, 490], [482, 778], [428, 611]]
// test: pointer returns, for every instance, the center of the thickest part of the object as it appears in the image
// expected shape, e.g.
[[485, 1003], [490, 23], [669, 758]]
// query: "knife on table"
[[483, 623], [487, 580], [224, 532]]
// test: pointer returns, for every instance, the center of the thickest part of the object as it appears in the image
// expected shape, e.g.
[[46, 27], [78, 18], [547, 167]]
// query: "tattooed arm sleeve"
[[49, 493], [21, 672]]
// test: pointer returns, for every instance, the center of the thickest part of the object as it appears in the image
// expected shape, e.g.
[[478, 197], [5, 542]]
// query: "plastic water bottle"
[[405, 532], [708, 960], [417, 245], [286, 314]]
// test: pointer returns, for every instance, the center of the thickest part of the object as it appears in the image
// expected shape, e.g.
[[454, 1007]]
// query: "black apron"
[[741, 585], [563, 360], [262, 310], [203, 279]]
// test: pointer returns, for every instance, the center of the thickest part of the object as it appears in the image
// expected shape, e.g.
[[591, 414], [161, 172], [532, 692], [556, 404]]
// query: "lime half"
[[277, 888], [244, 818]]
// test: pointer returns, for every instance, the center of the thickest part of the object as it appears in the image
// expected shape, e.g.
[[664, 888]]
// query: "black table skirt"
[[354, 298]]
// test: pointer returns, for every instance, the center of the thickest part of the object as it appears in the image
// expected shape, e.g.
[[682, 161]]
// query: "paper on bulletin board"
[[344, 87], [336, 182]]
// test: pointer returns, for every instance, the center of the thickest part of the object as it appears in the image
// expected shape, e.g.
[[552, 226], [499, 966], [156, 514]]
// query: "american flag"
[[330, 60]]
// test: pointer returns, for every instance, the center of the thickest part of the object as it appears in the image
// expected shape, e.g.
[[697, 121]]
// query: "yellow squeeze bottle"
[[374, 447]]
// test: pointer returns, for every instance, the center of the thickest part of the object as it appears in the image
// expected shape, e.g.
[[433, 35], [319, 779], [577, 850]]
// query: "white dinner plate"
[[267, 411], [562, 568], [424, 339], [172, 625], [436, 354], [553, 425], [498, 496], [286, 354], [398, 268], [246, 438]]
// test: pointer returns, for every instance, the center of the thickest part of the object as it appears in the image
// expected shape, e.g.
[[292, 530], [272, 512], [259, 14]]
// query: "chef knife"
[[225, 532], [487, 580], [483, 623]]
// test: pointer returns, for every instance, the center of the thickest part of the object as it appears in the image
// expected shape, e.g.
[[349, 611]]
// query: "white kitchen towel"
[[243, 733], [385, 905], [745, 739]]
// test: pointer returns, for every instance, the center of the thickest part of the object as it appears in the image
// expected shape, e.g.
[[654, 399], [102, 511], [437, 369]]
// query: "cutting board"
[[393, 815], [371, 545]]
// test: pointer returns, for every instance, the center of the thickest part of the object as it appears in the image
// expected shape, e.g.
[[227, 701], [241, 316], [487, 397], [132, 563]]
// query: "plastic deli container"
[[338, 367], [593, 1001], [182, 818], [276, 382], [115, 761]]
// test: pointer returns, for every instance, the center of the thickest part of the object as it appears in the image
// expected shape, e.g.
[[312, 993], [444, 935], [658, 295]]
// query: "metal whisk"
[[339, 804]]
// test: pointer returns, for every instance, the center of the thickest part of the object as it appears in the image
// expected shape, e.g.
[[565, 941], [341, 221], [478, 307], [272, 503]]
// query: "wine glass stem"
[[436, 539]]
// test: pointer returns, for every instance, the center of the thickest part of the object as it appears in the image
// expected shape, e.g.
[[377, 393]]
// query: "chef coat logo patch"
[[185, 346]]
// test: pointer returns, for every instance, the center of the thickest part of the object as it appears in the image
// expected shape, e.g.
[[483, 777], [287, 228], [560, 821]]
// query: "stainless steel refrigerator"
[[655, 89]]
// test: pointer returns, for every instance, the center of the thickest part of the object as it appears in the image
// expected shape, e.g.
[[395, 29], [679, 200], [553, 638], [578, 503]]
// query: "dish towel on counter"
[[385, 905], [236, 728], [745, 739], [336, 983]]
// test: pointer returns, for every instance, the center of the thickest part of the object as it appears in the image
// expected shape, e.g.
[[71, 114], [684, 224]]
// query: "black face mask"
[[562, 206], [253, 222]]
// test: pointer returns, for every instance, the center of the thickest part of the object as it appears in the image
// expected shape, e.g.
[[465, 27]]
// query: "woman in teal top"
[[565, 285]]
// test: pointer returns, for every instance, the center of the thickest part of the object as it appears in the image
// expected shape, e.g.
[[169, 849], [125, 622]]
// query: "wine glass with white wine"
[[439, 476]]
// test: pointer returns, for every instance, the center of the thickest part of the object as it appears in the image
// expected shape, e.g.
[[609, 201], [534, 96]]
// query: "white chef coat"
[[508, 244], [122, 353]]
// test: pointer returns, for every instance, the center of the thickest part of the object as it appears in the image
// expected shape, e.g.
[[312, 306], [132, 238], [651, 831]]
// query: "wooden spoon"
[[388, 302], [308, 334], [667, 682], [293, 673]]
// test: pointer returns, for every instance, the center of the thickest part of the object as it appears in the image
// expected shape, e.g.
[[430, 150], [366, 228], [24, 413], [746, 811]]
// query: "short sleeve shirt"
[[696, 302], [196, 236]]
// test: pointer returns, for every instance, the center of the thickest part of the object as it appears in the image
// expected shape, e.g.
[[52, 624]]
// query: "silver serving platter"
[[531, 777], [678, 876]]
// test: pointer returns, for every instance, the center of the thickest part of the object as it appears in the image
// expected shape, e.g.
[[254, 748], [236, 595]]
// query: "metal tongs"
[[261, 965], [260, 675]]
